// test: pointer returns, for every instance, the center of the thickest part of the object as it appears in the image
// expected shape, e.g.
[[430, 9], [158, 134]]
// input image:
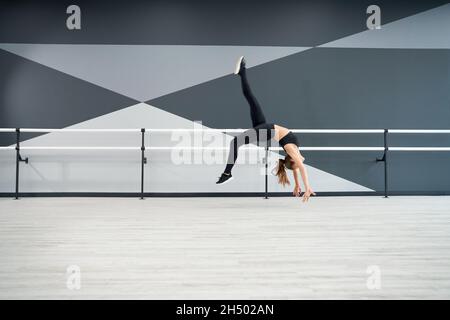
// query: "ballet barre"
[[79, 148], [79, 130], [386, 149], [162, 130], [137, 130], [420, 131]]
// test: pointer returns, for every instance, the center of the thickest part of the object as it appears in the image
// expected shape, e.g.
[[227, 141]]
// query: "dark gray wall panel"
[[330, 88], [199, 22], [39, 97], [341, 88]]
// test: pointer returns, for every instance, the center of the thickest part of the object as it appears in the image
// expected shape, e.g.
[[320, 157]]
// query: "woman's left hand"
[[307, 194], [297, 191]]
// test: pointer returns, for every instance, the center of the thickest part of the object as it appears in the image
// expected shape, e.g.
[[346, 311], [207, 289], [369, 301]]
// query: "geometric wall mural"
[[425, 30], [144, 72], [342, 77], [119, 171]]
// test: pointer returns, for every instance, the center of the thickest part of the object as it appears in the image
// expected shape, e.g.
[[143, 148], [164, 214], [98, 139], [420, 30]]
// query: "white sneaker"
[[239, 64]]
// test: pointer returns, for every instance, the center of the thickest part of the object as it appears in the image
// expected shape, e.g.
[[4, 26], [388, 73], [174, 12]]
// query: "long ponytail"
[[281, 173]]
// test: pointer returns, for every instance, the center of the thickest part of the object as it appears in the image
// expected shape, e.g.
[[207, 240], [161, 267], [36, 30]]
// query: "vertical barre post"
[[386, 157], [385, 160], [266, 173], [17, 161], [142, 161]]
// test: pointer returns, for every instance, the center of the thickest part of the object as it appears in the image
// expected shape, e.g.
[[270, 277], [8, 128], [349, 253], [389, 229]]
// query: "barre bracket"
[[22, 159]]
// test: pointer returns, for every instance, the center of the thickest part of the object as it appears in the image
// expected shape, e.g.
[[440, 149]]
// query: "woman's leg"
[[251, 135], [247, 137], [232, 155], [256, 112]]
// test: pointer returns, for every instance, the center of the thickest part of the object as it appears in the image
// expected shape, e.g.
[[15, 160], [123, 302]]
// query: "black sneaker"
[[224, 178], [240, 64]]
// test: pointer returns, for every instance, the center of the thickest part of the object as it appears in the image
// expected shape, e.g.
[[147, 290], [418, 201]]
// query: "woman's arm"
[[300, 167], [297, 188]]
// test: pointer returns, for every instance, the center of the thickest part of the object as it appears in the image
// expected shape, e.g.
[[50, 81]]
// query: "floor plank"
[[225, 248]]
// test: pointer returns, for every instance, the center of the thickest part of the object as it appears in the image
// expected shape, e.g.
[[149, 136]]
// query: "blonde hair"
[[281, 172]]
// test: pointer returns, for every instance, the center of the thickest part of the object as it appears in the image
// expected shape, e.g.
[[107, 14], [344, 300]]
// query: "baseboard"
[[216, 194]]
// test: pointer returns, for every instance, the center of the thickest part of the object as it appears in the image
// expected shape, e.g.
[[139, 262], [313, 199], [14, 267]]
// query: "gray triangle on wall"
[[145, 72], [426, 30]]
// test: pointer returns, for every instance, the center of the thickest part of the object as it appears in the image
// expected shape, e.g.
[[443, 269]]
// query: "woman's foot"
[[225, 177], [240, 64]]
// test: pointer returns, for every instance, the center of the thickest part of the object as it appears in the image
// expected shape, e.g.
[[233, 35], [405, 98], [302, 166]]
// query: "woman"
[[293, 160]]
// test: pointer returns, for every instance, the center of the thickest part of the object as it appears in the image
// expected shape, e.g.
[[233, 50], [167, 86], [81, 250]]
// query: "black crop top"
[[289, 138]]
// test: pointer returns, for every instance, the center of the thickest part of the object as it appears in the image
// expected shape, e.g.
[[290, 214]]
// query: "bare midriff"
[[280, 132], [290, 148]]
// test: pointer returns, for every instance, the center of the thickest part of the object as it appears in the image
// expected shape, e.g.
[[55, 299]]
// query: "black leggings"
[[261, 131], [256, 113]]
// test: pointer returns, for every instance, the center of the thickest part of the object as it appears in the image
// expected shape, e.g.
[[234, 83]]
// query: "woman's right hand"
[[308, 193], [297, 191]]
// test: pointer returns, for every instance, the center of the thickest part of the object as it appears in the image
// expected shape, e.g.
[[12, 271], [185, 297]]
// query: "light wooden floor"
[[225, 248]]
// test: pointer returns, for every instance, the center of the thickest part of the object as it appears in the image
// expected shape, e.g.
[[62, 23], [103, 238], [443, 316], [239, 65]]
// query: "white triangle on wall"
[[119, 171], [426, 30]]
